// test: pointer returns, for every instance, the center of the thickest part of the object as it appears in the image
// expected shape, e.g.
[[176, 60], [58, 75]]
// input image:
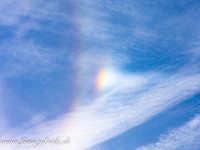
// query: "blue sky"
[[120, 75]]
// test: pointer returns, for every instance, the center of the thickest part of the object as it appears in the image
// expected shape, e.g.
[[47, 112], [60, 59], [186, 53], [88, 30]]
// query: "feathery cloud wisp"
[[185, 137], [118, 111]]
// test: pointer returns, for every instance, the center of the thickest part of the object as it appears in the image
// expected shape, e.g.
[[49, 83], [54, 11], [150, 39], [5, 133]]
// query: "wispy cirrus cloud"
[[115, 113], [184, 137], [21, 51], [12, 13], [20, 57]]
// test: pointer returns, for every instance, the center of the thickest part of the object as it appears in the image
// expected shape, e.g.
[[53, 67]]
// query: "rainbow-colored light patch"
[[105, 79]]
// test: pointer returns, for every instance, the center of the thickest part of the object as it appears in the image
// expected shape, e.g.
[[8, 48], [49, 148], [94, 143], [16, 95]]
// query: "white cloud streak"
[[125, 108], [22, 54], [185, 137]]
